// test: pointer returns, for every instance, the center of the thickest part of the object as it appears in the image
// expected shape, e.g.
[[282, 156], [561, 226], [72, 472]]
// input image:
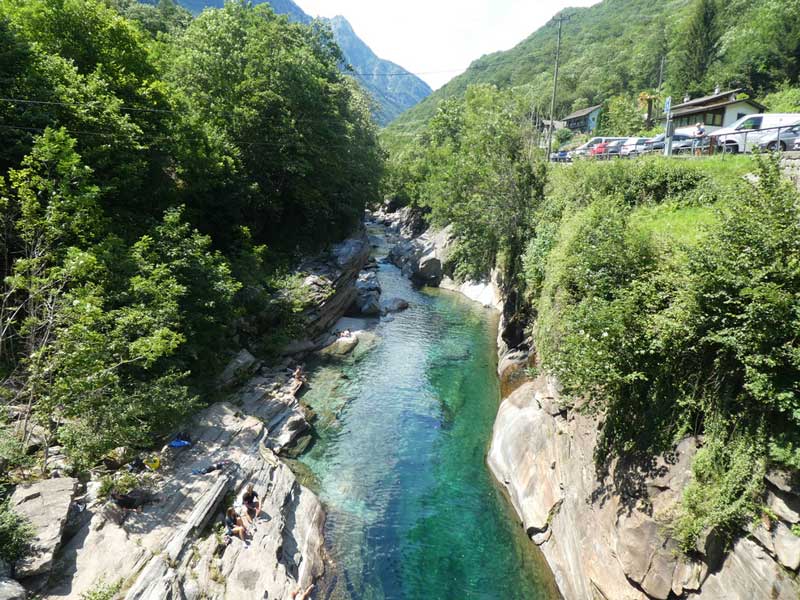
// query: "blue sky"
[[439, 38]]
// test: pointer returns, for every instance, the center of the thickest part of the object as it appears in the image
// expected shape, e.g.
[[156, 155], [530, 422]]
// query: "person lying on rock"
[[252, 504], [234, 525]]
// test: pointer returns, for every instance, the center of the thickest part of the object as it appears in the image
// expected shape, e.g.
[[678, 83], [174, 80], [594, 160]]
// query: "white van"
[[746, 133]]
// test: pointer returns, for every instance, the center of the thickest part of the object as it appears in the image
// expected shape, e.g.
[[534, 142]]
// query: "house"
[[584, 120], [718, 110]]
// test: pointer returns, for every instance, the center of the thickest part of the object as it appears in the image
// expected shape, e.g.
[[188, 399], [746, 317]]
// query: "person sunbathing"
[[252, 504], [234, 525]]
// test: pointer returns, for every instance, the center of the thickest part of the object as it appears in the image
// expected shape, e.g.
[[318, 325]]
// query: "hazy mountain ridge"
[[393, 94]]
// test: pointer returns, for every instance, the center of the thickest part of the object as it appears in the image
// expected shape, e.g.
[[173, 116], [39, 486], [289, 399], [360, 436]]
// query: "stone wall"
[[791, 167]]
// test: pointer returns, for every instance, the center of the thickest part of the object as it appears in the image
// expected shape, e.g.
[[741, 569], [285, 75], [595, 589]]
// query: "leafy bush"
[[15, 534], [667, 343], [726, 488], [647, 180]]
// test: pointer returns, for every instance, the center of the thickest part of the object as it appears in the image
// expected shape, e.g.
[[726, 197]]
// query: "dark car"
[[680, 143]]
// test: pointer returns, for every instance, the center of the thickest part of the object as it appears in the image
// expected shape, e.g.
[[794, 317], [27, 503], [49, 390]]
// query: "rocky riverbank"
[[604, 537], [174, 547]]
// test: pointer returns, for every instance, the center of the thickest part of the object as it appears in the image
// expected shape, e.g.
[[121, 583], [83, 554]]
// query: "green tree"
[[696, 47]]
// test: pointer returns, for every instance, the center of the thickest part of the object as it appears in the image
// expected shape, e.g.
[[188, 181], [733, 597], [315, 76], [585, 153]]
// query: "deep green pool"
[[403, 430]]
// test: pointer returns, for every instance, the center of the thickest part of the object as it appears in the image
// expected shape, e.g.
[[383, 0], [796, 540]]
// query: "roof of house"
[[583, 112], [726, 97], [684, 109]]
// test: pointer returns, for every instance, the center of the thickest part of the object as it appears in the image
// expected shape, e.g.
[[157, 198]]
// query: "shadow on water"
[[399, 461]]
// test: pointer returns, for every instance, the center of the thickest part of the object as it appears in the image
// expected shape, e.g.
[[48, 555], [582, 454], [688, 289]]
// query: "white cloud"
[[439, 39]]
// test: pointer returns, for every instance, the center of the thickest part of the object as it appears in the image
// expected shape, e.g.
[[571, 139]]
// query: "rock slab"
[[45, 505], [605, 538]]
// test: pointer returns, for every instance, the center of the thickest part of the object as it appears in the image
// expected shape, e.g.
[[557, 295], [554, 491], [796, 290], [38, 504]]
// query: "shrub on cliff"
[[703, 340], [15, 534]]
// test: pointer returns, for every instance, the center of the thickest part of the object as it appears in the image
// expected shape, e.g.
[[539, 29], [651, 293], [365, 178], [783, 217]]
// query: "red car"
[[600, 150]]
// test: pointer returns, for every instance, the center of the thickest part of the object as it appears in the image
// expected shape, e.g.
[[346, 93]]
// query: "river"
[[402, 429]]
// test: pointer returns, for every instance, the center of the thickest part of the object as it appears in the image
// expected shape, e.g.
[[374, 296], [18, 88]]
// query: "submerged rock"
[[394, 305]]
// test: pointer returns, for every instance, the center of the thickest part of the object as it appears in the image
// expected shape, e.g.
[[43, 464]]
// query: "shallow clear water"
[[403, 430]]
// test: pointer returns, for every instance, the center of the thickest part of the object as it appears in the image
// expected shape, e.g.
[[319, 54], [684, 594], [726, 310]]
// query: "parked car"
[[614, 148], [599, 151], [560, 156], [780, 139], [586, 148], [681, 143], [748, 132], [633, 146]]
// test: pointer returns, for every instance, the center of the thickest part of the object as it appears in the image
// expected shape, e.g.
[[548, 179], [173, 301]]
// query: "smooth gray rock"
[[601, 543], [783, 481], [166, 553], [748, 573], [394, 305], [787, 546], [429, 269], [45, 505], [240, 367], [11, 590], [786, 506]]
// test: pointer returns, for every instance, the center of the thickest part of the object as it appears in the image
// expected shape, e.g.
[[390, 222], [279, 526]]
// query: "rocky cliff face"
[[172, 549], [605, 538]]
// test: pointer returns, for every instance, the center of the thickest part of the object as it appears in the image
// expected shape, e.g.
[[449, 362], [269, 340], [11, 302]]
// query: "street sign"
[[668, 105]]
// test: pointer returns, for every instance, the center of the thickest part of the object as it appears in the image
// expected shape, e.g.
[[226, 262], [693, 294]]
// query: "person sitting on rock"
[[234, 525], [252, 504], [298, 373]]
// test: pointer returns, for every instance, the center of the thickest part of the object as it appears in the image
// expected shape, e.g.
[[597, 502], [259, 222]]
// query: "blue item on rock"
[[179, 444]]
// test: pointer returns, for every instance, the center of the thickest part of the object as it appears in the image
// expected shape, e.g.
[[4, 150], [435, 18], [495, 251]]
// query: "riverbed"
[[402, 431]]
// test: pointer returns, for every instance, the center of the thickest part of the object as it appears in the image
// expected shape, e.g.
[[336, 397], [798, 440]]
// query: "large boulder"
[[11, 590], [368, 298], [239, 369], [429, 270], [45, 505]]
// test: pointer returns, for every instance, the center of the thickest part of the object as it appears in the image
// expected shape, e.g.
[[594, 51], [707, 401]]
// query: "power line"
[[95, 104], [161, 139]]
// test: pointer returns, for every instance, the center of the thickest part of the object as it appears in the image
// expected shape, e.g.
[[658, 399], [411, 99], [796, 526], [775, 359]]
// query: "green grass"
[[685, 226]]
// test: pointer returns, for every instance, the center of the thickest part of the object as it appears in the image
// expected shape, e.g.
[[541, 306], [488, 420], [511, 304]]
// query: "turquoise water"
[[403, 430]]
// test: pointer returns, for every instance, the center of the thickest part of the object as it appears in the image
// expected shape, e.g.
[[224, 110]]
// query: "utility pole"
[[560, 20], [661, 72]]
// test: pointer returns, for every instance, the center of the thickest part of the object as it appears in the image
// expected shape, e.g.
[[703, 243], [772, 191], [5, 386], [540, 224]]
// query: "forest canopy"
[[156, 175]]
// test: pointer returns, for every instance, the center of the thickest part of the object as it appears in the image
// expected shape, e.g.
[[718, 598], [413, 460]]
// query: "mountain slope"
[[393, 95], [606, 48], [616, 47]]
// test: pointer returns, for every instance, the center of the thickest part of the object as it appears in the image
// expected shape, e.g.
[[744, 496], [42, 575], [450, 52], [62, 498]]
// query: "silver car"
[[788, 138]]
